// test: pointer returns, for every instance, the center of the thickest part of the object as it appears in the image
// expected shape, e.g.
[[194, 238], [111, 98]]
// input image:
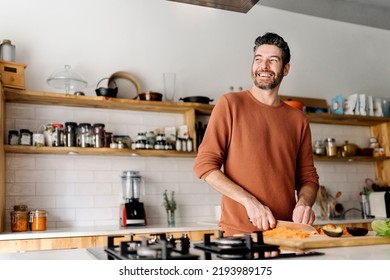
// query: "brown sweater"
[[267, 150]]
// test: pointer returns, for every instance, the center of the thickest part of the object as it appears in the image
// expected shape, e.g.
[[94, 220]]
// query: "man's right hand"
[[259, 214]]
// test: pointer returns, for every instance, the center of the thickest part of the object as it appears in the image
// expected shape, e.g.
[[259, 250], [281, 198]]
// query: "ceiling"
[[373, 13]]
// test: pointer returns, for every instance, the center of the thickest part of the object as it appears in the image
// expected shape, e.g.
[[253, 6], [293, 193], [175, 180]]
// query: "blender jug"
[[132, 185]]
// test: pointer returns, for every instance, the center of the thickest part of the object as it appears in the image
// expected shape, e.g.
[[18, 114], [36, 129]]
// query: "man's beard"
[[268, 85]]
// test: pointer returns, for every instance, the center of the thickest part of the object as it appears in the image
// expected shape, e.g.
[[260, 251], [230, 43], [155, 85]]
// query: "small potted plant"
[[170, 207]]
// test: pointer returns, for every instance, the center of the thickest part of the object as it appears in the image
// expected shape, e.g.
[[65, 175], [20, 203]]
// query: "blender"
[[132, 212]]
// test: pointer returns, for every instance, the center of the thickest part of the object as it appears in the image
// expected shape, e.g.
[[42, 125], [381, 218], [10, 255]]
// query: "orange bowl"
[[294, 103]]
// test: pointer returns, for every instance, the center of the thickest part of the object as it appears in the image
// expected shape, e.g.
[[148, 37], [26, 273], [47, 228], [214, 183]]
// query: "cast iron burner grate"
[[159, 247], [244, 248]]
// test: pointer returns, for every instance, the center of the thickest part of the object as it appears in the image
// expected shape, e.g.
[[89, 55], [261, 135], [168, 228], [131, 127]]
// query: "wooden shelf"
[[350, 159], [346, 119], [21, 149], [59, 99]]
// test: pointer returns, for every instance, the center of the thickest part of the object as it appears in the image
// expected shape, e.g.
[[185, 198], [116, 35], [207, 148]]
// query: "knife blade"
[[296, 226]]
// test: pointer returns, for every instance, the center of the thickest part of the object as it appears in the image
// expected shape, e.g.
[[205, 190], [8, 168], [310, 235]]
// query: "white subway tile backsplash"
[[87, 190]]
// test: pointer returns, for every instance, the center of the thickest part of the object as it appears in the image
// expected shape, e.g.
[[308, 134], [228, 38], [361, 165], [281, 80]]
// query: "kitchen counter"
[[105, 230], [116, 230], [373, 252]]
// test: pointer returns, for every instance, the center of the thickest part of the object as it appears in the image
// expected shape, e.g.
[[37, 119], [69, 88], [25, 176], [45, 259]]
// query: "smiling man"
[[257, 150]]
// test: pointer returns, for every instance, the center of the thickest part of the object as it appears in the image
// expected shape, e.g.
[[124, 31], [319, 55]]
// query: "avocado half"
[[332, 230], [357, 231]]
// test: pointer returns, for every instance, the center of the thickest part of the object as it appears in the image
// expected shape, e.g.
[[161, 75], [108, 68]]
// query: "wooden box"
[[12, 74]]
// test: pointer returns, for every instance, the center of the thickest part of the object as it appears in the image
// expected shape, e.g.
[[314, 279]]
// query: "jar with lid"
[[150, 140], [98, 135], [107, 139], [25, 137], [19, 221], [58, 134], [38, 220], [7, 51], [141, 140], [84, 135], [48, 134], [13, 137], [330, 146], [318, 148], [70, 134]]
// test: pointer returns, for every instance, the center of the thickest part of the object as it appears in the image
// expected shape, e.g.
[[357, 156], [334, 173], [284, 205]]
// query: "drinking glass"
[[169, 86]]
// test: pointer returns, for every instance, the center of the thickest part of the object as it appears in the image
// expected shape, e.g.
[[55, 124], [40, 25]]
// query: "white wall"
[[210, 50]]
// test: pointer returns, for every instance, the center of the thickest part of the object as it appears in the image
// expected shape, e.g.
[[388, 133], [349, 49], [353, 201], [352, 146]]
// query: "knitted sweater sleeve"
[[211, 152]]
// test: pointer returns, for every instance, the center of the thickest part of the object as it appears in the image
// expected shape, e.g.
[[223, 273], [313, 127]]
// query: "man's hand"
[[259, 215], [303, 214]]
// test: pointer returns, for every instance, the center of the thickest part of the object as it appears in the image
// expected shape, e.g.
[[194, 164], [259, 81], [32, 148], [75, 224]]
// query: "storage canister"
[[38, 220], [84, 135], [98, 134], [25, 137], [7, 51], [70, 134], [19, 221], [330, 146], [13, 137]]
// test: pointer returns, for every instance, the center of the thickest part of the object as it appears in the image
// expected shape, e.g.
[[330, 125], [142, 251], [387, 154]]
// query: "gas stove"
[[162, 246]]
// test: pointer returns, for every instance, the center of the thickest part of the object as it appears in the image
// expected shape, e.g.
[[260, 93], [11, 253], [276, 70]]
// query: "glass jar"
[[38, 220], [58, 134], [84, 135], [13, 137], [48, 134], [330, 146], [19, 221], [70, 134], [25, 137], [98, 135], [107, 139], [318, 148]]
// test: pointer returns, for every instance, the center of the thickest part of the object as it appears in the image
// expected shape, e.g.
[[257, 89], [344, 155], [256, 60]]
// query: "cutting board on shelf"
[[324, 241]]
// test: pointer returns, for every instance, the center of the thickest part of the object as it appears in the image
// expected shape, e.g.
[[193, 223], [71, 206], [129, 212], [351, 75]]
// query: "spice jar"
[[58, 139], [48, 134], [19, 221], [38, 220]]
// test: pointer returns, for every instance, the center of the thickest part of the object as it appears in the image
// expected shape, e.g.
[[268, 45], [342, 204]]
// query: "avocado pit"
[[332, 230]]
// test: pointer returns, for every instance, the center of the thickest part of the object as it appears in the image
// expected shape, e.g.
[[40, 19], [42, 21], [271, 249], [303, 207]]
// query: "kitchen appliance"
[[159, 246], [163, 246], [380, 204], [132, 212]]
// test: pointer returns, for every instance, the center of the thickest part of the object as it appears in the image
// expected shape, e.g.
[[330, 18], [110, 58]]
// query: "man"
[[264, 147]]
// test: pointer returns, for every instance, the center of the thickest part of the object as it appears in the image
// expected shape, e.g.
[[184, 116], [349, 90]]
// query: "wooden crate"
[[12, 74]]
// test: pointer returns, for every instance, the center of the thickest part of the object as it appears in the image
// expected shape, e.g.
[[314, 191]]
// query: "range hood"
[[241, 6]]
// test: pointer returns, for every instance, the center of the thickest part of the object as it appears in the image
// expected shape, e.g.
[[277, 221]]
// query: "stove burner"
[[235, 247], [159, 247]]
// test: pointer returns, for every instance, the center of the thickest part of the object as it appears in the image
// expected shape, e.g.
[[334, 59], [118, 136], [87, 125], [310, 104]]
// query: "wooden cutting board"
[[324, 241]]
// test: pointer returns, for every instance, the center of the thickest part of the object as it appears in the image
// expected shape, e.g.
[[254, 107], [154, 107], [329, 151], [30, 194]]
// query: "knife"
[[296, 226]]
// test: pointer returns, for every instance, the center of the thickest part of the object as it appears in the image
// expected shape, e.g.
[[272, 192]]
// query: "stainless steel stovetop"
[[165, 247]]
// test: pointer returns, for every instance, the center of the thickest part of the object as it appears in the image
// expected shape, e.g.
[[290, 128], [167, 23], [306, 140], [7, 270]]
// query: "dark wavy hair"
[[276, 40]]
